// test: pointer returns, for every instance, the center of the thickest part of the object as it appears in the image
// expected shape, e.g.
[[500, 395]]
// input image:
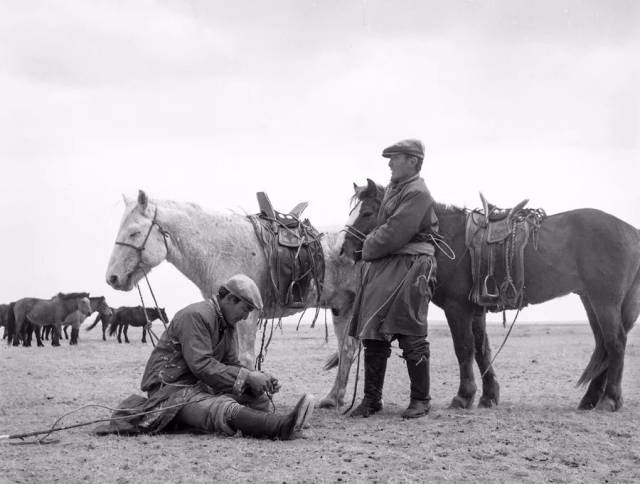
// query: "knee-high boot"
[[375, 367], [420, 403], [260, 424]]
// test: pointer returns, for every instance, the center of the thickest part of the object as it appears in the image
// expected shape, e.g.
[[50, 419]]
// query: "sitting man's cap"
[[244, 288], [411, 147]]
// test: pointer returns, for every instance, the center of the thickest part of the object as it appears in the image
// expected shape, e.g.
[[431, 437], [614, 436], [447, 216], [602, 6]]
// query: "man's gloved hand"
[[259, 382]]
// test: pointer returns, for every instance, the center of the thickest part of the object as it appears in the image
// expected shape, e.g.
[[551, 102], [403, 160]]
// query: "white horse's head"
[[140, 244]]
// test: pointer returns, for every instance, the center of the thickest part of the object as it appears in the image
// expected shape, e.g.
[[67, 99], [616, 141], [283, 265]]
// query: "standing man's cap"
[[244, 288], [411, 147]]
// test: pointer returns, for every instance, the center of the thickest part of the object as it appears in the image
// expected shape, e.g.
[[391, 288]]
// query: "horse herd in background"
[[52, 317]]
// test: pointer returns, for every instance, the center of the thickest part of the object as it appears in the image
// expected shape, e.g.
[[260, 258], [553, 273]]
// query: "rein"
[[139, 249]]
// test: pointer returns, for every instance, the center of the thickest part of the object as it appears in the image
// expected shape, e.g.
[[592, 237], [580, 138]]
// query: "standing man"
[[194, 379], [397, 282]]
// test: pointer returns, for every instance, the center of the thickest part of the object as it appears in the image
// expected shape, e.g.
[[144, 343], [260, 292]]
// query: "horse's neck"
[[341, 273], [196, 240]]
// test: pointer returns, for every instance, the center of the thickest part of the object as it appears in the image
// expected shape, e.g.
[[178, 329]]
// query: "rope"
[[148, 325], [53, 428], [502, 345], [355, 384], [155, 301]]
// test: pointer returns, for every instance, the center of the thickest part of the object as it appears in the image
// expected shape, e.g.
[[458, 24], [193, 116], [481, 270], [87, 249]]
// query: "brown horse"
[[30, 312], [586, 252]]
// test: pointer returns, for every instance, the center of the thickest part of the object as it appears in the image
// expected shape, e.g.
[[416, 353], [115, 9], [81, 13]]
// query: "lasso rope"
[[53, 428]]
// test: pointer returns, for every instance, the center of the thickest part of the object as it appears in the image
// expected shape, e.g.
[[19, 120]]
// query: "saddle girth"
[[496, 239], [293, 251]]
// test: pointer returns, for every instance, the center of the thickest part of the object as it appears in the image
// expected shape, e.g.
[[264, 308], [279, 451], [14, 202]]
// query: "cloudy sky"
[[209, 102]]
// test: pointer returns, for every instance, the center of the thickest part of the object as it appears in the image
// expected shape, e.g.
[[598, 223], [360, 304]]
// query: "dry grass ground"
[[534, 435]]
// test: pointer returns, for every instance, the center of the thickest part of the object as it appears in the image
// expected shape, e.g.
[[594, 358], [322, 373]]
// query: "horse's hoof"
[[586, 404], [608, 404], [487, 403], [460, 403]]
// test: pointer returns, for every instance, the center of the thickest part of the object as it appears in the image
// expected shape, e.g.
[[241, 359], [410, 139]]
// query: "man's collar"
[[395, 185], [216, 305]]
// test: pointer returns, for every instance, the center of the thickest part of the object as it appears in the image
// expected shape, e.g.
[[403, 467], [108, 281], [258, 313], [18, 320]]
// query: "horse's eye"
[[366, 214], [134, 235]]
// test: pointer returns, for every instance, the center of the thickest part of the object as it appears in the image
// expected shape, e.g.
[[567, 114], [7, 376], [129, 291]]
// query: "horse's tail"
[[11, 324], [332, 361], [596, 366], [93, 325]]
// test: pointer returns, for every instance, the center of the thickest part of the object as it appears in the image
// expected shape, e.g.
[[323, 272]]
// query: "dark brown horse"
[[126, 316], [32, 313], [586, 252]]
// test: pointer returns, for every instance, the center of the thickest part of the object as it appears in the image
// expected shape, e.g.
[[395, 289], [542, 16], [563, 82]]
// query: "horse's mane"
[[448, 209], [71, 295]]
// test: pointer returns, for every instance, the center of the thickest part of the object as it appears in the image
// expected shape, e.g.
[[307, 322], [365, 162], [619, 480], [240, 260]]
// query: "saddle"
[[496, 239], [293, 251]]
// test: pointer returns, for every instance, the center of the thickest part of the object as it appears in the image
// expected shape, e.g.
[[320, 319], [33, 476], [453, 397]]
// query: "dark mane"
[[72, 295]]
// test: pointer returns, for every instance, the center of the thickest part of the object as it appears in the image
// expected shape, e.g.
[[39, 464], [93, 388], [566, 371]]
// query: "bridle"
[[141, 248], [351, 230]]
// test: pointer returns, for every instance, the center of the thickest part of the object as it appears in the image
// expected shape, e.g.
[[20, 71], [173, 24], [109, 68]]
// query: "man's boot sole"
[[304, 412]]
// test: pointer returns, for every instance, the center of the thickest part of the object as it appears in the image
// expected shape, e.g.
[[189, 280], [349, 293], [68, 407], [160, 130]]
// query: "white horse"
[[208, 248]]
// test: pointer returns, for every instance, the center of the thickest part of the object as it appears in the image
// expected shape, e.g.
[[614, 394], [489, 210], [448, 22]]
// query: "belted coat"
[[400, 265]]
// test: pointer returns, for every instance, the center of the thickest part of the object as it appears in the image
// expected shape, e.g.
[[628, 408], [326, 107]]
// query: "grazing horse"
[[125, 316], [104, 314], [586, 252], [210, 247], [43, 312]]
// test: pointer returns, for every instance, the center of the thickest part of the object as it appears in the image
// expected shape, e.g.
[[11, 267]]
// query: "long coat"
[[196, 358], [398, 276]]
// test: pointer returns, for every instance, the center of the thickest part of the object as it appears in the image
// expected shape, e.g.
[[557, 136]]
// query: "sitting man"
[[194, 379]]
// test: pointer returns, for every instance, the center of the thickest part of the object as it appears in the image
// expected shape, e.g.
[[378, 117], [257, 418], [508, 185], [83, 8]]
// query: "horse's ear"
[[371, 186], [143, 200], [355, 187]]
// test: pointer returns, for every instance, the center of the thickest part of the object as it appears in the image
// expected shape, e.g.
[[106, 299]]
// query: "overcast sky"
[[209, 102]]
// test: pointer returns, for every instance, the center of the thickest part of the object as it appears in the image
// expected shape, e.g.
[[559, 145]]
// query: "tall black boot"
[[375, 367], [260, 424], [420, 403]]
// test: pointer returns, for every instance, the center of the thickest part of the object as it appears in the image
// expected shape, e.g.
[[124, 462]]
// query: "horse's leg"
[[144, 333], [598, 380], [56, 334], [615, 342], [104, 329], [125, 330], [120, 332], [490, 387], [64, 328], [347, 347], [37, 330], [459, 317]]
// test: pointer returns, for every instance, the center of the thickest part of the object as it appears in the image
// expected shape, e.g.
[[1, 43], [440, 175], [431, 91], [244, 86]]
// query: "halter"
[[354, 232], [140, 248]]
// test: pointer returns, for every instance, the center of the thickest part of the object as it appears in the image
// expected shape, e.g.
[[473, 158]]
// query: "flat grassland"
[[534, 435]]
